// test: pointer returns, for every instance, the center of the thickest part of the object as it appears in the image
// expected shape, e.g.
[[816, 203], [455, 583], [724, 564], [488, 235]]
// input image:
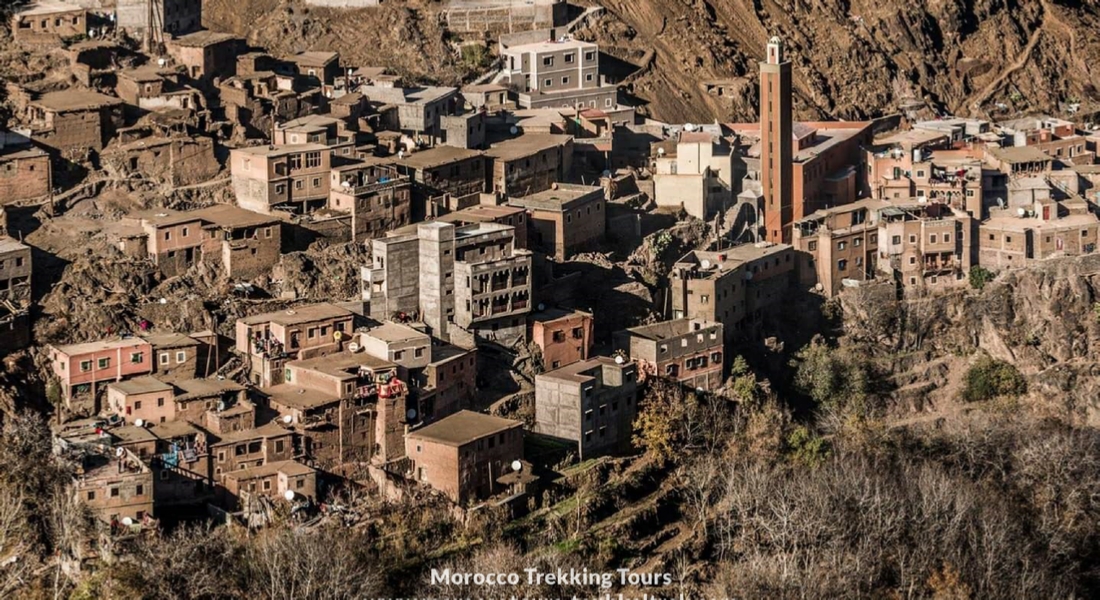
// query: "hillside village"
[[310, 276]]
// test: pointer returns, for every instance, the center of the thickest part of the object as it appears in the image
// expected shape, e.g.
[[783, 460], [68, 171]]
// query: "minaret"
[[775, 143]]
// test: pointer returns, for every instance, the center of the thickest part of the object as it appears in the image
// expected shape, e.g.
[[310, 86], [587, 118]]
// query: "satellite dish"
[[689, 127], [517, 466], [221, 405], [618, 359], [705, 264], [410, 414], [513, 130], [345, 184], [1021, 212], [353, 347], [127, 521], [139, 422], [660, 151], [400, 154], [119, 452], [542, 306], [289, 495], [161, 62], [287, 419]]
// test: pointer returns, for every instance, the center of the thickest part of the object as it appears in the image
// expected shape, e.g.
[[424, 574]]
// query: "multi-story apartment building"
[[591, 403], [442, 171], [733, 287], [472, 277], [347, 407], [557, 73], [115, 484], [249, 448], [83, 369], [687, 351], [696, 173], [270, 340], [294, 177], [925, 244], [838, 244], [465, 454], [45, 22], [414, 111], [565, 219], [317, 129], [376, 196]]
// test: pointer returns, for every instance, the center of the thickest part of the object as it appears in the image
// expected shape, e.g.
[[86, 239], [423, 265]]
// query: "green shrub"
[[979, 276], [989, 378]]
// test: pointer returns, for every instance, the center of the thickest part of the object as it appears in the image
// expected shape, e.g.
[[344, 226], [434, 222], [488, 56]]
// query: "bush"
[[979, 276], [989, 378]]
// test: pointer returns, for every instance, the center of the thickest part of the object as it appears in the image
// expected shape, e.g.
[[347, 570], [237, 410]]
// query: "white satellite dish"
[[410, 414], [1021, 212], [660, 151], [517, 466], [345, 184], [400, 154], [139, 422], [287, 419], [353, 347], [119, 452], [619, 359], [127, 521], [689, 127], [162, 62], [705, 264], [289, 495], [513, 130]]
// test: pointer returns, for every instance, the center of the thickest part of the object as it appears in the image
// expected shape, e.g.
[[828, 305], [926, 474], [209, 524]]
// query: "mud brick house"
[[251, 448], [15, 270], [530, 163], [840, 243], [147, 399], [316, 68], [114, 484], [272, 480], [24, 170], [176, 160], [348, 407], [413, 111], [317, 129], [180, 465], [563, 336], [565, 219], [442, 171], [177, 17], [84, 369], [465, 454], [591, 403], [207, 55], [294, 177], [74, 122], [465, 130], [270, 340], [687, 351], [48, 22], [15, 327], [376, 196]]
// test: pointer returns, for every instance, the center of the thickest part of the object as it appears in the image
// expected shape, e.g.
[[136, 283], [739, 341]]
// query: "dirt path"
[[1021, 60]]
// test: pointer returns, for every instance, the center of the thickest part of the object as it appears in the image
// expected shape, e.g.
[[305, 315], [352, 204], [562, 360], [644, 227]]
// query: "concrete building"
[[687, 351], [557, 73], [776, 131], [491, 213], [926, 244], [464, 130], [48, 22], [838, 244], [1057, 138], [176, 17], [565, 219], [465, 454], [441, 172], [591, 403], [74, 122], [471, 276], [318, 129], [83, 369], [413, 111], [376, 196], [697, 174], [251, 448], [530, 163], [1017, 236], [270, 340], [272, 481], [564, 337], [114, 485], [24, 170], [142, 398], [734, 287], [294, 177]]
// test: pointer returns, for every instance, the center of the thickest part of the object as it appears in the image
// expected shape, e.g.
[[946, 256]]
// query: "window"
[[137, 405], [267, 484], [841, 245], [1008, 239], [857, 242], [137, 357], [589, 56], [588, 77], [298, 185], [167, 235], [946, 238], [91, 495], [140, 490], [608, 102], [316, 182], [104, 363], [114, 492], [559, 336], [895, 240], [912, 239], [578, 333], [160, 402], [1084, 233], [548, 61], [280, 189], [184, 232], [313, 159], [842, 265], [398, 355], [164, 358], [565, 81], [912, 260], [548, 82], [418, 353], [569, 57], [813, 247], [932, 238], [181, 356]]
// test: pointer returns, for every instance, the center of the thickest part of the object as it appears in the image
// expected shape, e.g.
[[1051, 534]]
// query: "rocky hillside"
[[853, 58]]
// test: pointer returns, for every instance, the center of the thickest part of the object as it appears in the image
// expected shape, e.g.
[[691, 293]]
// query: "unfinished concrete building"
[[413, 111], [377, 197], [591, 403], [565, 219], [176, 17], [687, 351]]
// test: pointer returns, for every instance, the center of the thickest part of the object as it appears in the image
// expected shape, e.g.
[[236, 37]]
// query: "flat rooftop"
[[86, 347], [285, 150], [74, 99], [482, 213], [463, 427], [298, 315], [668, 329], [10, 244], [553, 313], [263, 431], [342, 364], [550, 46], [406, 95], [1018, 224], [578, 372], [438, 156], [526, 145], [170, 340], [396, 332], [314, 58], [141, 385], [556, 199], [290, 468], [202, 39], [47, 7], [296, 396], [1020, 154], [202, 388], [309, 122]]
